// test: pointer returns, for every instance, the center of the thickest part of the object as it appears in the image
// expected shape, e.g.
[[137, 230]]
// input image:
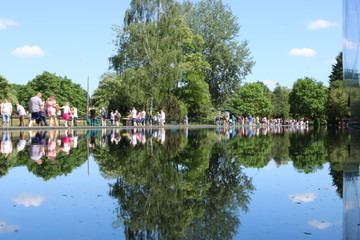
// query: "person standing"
[[35, 107], [158, 118], [143, 117], [186, 120], [117, 117], [92, 111], [162, 117], [6, 111], [134, 116], [66, 113], [51, 110], [43, 114], [103, 116], [74, 115], [112, 116], [22, 113]]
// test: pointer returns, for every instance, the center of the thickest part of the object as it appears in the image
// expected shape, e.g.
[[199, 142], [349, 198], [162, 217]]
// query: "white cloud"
[[27, 51], [350, 45], [6, 228], [304, 52], [28, 199], [5, 23], [320, 224], [302, 197], [321, 24]]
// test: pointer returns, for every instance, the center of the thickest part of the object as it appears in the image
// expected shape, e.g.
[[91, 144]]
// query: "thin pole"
[[87, 97]]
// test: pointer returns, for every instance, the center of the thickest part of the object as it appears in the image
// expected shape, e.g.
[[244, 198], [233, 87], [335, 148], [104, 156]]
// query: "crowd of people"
[[250, 120], [141, 118], [38, 111]]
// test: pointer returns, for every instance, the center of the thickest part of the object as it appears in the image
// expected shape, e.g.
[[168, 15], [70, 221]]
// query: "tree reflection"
[[308, 151], [33, 148], [179, 184], [184, 188]]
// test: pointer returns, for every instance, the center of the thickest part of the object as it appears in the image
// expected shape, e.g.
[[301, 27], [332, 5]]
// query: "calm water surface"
[[234, 183]]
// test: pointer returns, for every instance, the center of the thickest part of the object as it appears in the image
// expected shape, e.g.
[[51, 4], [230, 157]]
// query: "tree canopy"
[[229, 59], [252, 99], [308, 99], [49, 83]]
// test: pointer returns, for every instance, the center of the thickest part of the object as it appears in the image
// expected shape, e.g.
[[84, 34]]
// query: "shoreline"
[[180, 126]]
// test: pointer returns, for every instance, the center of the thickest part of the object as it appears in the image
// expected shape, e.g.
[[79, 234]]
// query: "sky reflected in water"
[[224, 183]]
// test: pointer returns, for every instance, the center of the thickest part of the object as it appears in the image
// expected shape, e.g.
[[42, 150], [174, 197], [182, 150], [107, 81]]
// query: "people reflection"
[[6, 144], [22, 142], [92, 142], [133, 139], [66, 142], [143, 136], [115, 136], [73, 139], [103, 137], [161, 135], [37, 146], [52, 146]]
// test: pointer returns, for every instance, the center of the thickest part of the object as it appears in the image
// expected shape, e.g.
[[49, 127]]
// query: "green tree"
[[337, 103], [7, 90], [49, 83], [228, 57], [308, 99], [4, 87], [149, 51], [107, 91], [251, 99], [280, 101], [193, 89], [337, 70]]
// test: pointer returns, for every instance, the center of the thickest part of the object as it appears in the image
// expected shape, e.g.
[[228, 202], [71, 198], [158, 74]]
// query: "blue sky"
[[288, 39]]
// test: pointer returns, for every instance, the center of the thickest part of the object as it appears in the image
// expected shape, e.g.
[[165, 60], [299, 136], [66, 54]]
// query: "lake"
[[180, 183]]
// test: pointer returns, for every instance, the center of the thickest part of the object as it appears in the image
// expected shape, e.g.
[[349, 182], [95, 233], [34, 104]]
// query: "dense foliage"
[[308, 99], [186, 58], [167, 50]]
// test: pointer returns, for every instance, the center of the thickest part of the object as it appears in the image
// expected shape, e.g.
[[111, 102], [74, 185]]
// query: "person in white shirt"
[[6, 111], [162, 118], [134, 116], [66, 113], [143, 117], [74, 115], [22, 113]]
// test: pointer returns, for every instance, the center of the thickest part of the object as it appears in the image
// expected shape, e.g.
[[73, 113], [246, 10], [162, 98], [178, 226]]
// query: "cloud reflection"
[[6, 228], [302, 197], [28, 199], [320, 224]]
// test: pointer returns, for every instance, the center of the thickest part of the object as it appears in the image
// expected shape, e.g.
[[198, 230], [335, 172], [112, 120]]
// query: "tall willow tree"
[[229, 58]]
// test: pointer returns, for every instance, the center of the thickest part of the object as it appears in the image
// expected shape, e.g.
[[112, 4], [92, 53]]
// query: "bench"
[[173, 123], [126, 121]]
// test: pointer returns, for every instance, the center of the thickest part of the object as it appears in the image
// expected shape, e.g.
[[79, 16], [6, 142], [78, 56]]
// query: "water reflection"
[[42, 148], [182, 183]]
